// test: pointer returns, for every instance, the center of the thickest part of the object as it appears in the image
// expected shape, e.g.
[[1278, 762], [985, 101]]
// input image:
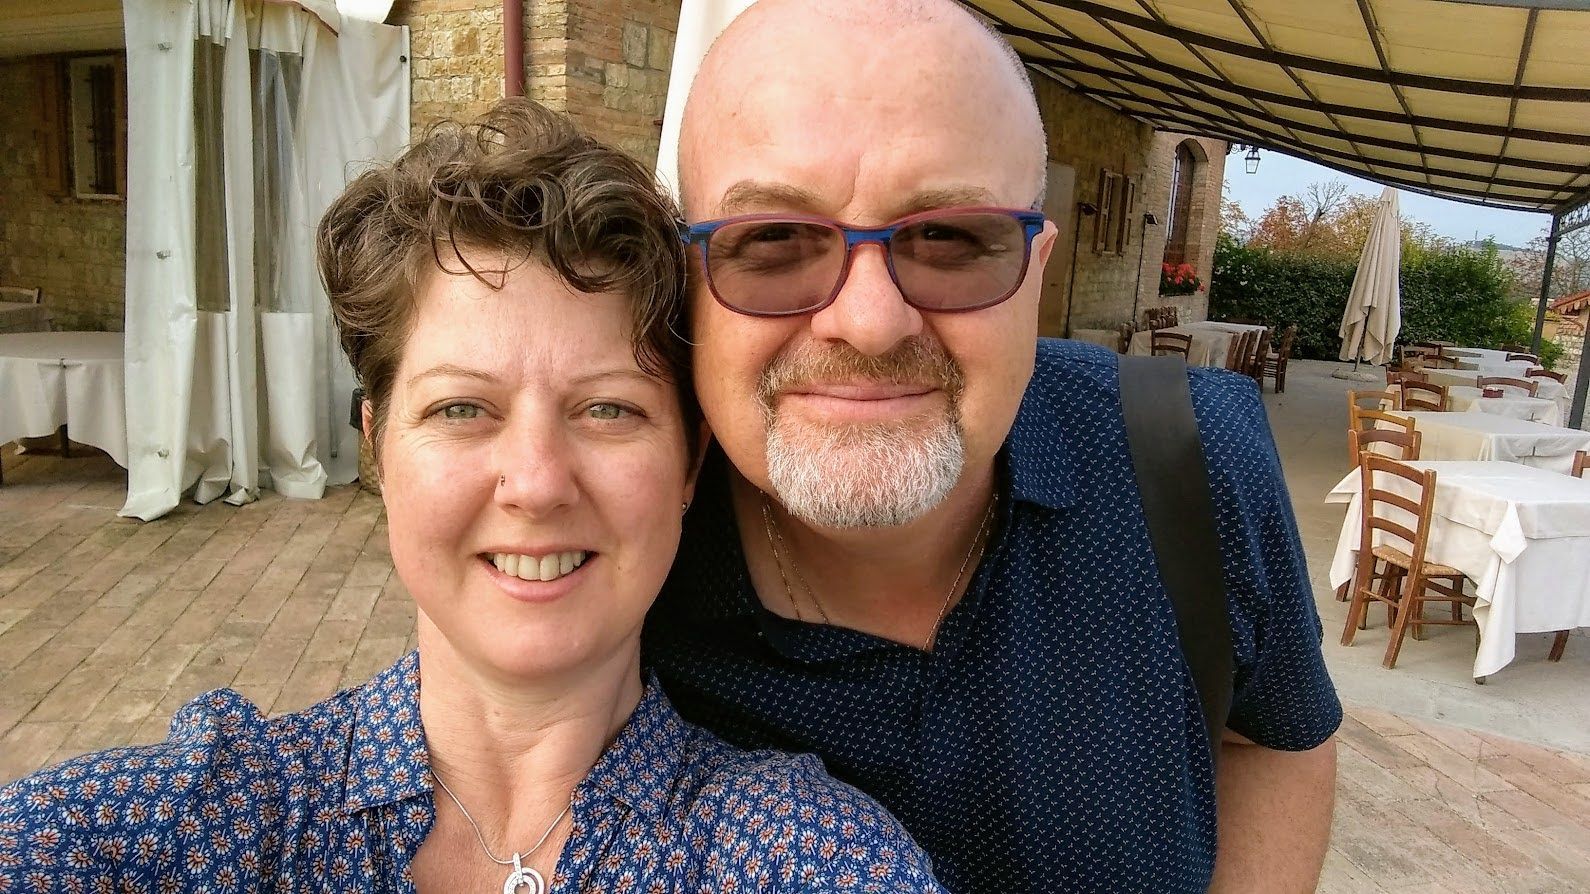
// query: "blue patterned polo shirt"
[[337, 798], [1053, 740]]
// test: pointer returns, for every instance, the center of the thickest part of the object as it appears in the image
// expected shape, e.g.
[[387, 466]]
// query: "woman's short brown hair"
[[524, 183]]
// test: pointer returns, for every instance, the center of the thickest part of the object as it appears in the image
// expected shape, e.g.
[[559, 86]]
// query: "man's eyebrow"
[[449, 370], [750, 196], [753, 195]]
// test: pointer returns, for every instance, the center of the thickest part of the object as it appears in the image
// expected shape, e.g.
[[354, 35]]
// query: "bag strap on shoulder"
[[1168, 458]]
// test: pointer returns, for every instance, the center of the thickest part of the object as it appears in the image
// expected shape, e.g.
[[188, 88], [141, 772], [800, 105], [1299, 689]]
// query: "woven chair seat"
[[1402, 560]]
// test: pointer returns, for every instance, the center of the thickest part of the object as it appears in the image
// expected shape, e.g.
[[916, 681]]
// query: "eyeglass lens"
[[955, 261]]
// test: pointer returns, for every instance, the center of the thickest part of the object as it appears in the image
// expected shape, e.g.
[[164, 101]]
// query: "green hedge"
[[1448, 294]]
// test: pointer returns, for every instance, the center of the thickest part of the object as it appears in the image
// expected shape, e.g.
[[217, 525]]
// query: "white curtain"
[[245, 119]]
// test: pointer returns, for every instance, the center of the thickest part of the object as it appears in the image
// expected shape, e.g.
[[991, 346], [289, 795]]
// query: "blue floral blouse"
[[337, 798]]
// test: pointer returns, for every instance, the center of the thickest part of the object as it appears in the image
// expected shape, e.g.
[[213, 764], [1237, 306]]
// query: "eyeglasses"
[[947, 261]]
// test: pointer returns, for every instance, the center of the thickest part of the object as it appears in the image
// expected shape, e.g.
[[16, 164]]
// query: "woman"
[[507, 295]]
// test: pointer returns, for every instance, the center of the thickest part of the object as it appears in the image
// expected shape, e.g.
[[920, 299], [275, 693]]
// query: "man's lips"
[[862, 392]]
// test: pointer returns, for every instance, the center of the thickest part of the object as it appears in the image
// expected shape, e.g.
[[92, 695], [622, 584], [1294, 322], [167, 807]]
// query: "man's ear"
[[1046, 241], [703, 441]]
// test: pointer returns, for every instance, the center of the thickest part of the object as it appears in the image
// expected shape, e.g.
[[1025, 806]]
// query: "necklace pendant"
[[523, 877]]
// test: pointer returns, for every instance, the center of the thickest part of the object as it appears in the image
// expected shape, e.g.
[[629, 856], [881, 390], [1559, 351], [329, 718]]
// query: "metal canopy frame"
[[1410, 93]]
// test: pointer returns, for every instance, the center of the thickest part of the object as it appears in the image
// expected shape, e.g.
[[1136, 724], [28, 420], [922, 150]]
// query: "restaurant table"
[[75, 379], [1107, 338], [1210, 340], [1521, 534], [1469, 399], [1483, 355], [23, 316], [1550, 389], [1482, 436], [1516, 369]]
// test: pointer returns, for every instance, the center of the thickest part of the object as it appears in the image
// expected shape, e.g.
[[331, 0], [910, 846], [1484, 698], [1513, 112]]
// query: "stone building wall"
[[606, 63], [1089, 138], [74, 249]]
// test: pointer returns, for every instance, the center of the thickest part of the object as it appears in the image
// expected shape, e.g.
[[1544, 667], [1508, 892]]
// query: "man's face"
[[865, 412]]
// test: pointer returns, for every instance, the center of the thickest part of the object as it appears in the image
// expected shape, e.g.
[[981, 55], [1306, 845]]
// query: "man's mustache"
[[915, 361]]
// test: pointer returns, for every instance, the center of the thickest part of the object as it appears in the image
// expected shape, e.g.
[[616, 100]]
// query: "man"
[[921, 552]]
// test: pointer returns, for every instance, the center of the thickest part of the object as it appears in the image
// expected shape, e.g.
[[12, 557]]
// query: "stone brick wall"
[[606, 63], [75, 249], [456, 57], [1089, 138]]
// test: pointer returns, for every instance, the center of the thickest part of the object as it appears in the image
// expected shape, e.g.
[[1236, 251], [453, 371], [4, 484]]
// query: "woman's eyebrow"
[[450, 370]]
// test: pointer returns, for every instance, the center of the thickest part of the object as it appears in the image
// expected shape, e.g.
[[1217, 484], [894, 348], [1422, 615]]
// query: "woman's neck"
[[513, 752]]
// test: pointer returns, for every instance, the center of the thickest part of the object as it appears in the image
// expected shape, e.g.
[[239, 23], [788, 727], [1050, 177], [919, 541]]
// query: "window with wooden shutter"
[[51, 130]]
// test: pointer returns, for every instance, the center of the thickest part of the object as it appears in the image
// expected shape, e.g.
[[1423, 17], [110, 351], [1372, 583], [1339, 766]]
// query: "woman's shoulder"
[[122, 816], [780, 822]]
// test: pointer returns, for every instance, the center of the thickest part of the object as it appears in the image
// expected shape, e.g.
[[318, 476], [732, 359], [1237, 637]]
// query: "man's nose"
[[869, 313]]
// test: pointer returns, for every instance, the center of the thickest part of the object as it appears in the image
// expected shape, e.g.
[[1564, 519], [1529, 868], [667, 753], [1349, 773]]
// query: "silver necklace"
[[521, 876], [775, 538]]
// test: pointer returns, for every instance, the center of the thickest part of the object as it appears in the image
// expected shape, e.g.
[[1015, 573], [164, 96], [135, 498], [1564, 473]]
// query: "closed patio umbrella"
[[1374, 306], [700, 23]]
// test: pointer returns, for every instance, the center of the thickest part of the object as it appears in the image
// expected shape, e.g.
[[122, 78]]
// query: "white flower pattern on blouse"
[[337, 798]]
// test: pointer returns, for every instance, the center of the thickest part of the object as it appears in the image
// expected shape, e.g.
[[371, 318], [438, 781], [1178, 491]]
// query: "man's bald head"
[[781, 55]]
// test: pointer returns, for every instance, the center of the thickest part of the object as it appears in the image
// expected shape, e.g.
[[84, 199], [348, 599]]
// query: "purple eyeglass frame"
[[700, 235]]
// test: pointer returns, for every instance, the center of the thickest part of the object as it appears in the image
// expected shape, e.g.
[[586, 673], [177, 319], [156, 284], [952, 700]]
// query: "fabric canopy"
[[250, 118], [1480, 102], [1374, 306]]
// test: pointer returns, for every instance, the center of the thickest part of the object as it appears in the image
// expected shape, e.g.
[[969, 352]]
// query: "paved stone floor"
[[108, 625]]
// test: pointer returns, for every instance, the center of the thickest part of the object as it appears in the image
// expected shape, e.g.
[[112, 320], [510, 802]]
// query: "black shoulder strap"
[[1168, 457]]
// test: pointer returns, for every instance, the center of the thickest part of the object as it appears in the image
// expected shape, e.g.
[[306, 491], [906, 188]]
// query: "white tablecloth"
[[1108, 338], [1484, 355], [20, 316], [1550, 389], [1521, 534], [1514, 369], [1210, 340], [50, 379], [1483, 436], [1468, 399]]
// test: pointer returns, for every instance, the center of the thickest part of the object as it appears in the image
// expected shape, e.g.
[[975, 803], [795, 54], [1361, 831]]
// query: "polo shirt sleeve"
[[1283, 697]]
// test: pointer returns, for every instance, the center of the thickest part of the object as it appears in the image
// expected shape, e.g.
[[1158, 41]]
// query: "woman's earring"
[[683, 508]]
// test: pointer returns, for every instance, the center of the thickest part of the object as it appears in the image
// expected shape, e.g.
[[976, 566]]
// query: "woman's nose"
[[535, 471]]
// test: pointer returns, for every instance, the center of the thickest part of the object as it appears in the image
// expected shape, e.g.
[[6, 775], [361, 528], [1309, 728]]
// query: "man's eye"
[[607, 411], [459, 411]]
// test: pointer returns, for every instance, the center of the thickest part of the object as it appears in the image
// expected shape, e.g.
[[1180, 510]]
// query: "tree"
[[1329, 222], [1571, 273]]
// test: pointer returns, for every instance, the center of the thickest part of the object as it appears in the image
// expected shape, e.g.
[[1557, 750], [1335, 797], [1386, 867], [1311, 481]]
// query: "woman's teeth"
[[543, 568]]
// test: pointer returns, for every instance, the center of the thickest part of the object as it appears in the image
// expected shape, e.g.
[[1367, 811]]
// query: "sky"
[[1280, 175]]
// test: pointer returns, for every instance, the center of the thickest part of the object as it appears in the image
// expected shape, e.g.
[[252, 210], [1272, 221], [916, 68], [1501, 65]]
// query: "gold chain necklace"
[[775, 539]]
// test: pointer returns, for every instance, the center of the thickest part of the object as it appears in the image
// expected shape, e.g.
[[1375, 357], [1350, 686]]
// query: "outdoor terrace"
[[107, 626]]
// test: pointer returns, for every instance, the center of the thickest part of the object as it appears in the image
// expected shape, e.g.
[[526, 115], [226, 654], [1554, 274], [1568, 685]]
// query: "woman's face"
[[533, 475]]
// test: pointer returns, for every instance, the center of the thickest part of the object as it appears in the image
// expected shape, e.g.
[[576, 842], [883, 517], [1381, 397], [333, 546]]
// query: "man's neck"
[[891, 582]]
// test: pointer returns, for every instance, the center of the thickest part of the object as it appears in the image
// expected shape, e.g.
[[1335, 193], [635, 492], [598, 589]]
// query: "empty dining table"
[[1469, 399], [1211, 339], [1550, 389], [1521, 534], [75, 379], [1483, 436]]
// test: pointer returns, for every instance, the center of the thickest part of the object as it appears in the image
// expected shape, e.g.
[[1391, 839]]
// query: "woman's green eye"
[[461, 411], [606, 411]]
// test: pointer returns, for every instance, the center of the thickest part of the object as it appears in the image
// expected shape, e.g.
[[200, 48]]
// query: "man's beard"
[[860, 475]]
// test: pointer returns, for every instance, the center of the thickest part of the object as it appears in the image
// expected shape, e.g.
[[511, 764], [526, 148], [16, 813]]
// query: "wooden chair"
[[1160, 317], [1406, 581], [1127, 330], [1421, 395], [1275, 362], [1541, 373], [1161, 343], [1255, 360], [1504, 382], [1243, 321], [21, 295], [1581, 461], [1523, 356], [1239, 352], [1407, 442], [1368, 418], [1513, 349]]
